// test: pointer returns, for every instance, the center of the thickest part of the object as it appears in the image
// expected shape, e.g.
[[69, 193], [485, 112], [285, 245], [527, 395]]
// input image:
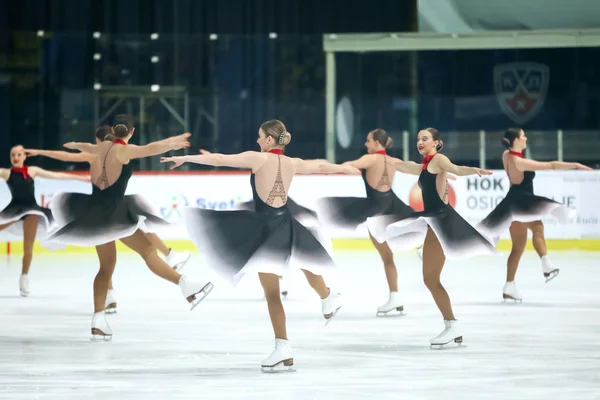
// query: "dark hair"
[[510, 135], [276, 129], [103, 131], [109, 138], [381, 136], [435, 135], [123, 125]]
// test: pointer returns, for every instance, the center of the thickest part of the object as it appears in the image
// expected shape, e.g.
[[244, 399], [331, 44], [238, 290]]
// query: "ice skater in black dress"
[[446, 234], [175, 259], [521, 210], [347, 213], [23, 216], [108, 215], [268, 240]]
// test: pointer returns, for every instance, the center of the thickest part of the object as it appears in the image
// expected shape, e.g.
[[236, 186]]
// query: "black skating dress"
[[105, 215], [266, 239], [348, 213], [23, 203], [457, 237], [520, 204]]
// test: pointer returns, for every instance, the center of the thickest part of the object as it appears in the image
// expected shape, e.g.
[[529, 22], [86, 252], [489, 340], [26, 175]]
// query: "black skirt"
[[15, 212], [235, 243], [89, 220], [522, 206], [457, 237]]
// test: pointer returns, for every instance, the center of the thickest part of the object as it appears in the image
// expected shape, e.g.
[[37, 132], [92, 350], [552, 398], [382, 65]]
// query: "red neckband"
[[426, 160], [517, 153], [119, 141], [381, 152], [23, 170], [276, 151]]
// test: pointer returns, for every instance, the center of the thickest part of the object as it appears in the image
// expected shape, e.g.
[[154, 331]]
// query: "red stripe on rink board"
[[175, 173], [8, 248]]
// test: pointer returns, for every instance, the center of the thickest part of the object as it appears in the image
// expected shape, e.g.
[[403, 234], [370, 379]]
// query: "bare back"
[[106, 169], [380, 175], [515, 177], [273, 179]]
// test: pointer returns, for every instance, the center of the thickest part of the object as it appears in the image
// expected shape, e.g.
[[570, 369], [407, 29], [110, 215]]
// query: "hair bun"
[[389, 142], [440, 145]]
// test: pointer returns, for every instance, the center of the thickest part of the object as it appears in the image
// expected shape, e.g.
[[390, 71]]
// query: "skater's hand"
[[481, 172], [579, 166], [202, 151], [179, 142], [350, 170], [177, 161], [32, 152]]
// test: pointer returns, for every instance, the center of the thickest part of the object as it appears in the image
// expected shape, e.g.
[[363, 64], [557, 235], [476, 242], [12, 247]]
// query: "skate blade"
[[507, 299], [100, 338], [279, 367], [394, 312], [455, 343], [551, 275], [23, 294], [110, 311], [196, 298], [328, 320]]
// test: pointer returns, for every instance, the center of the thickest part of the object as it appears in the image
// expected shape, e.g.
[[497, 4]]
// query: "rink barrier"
[[16, 248], [473, 197]]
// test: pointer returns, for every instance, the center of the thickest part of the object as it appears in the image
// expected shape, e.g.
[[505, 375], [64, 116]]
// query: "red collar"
[[276, 151], [381, 152], [517, 153], [426, 160], [119, 141], [23, 170]]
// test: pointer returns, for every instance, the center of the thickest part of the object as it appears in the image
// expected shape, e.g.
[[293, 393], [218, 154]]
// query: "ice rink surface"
[[548, 347]]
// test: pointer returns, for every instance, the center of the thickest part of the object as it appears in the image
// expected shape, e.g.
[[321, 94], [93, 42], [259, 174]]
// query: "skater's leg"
[[30, 224], [107, 255], [317, 283], [140, 243], [433, 263], [391, 273], [270, 284], [158, 243], [4, 226], [518, 236], [539, 241]]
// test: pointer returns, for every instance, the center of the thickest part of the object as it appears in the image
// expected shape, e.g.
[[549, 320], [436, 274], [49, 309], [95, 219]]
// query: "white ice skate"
[[550, 271], [450, 334], [177, 260], [101, 331], [510, 292], [420, 252], [110, 305], [331, 305], [24, 285], [281, 359], [393, 307], [194, 291]]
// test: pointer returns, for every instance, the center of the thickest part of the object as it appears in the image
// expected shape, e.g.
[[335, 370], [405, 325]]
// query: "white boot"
[[510, 292], [420, 252], [330, 305], [550, 271], [177, 260], [451, 333], [194, 291], [24, 285], [280, 359], [100, 329], [110, 305], [394, 303]]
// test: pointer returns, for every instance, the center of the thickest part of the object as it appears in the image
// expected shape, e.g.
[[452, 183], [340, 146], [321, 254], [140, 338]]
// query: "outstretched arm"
[[42, 173], [323, 167], [4, 174], [246, 160], [83, 147], [525, 164], [364, 162], [62, 155], [444, 163], [407, 167], [131, 151]]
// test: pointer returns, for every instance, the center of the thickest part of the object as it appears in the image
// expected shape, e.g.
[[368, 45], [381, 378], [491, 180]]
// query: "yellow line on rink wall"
[[338, 244]]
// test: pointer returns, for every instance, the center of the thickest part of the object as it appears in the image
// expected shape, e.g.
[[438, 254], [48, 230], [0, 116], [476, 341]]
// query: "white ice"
[[548, 347]]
